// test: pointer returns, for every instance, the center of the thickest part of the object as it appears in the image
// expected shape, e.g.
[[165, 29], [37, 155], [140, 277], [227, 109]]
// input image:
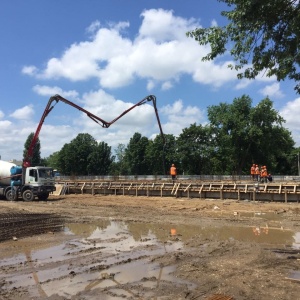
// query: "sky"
[[105, 56]]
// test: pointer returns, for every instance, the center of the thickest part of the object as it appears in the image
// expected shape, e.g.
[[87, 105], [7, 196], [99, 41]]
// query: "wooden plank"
[[187, 187], [82, 188], [292, 279], [177, 189]]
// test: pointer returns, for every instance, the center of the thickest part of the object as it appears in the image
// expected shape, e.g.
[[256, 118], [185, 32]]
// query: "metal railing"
[[276, 178]]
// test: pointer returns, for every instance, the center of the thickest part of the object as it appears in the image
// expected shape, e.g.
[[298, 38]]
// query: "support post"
[[285, 195]]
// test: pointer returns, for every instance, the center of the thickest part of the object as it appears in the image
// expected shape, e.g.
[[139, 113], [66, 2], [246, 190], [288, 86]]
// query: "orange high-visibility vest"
[[173, 171], [265, 173]]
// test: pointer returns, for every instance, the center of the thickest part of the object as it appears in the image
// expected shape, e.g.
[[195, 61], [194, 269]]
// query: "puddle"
[[117, 279], [294, 275], [269, 216], [113, 256]]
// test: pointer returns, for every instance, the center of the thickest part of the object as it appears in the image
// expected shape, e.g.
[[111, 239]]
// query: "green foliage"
[[159, 156], [52, 160], [119, 167], [264, 34], [292, 163], [243, 135], [100, 160], [194, 148], [84, 156], [135, 155], [36, 155]]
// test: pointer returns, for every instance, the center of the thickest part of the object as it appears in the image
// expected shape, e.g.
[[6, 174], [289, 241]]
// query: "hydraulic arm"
[[56, 98]]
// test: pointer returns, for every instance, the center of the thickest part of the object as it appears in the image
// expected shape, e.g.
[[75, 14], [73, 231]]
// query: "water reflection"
[[131, 234], [109, 254]]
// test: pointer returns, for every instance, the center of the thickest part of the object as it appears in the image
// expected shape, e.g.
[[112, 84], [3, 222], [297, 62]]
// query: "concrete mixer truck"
[[27, 183], [30, 182]]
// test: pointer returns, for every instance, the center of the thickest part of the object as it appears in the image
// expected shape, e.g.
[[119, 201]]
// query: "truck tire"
[[43, 196], [28, 195], [10, 196]]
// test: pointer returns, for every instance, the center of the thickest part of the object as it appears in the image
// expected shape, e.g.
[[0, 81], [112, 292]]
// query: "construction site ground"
[[127, 247]]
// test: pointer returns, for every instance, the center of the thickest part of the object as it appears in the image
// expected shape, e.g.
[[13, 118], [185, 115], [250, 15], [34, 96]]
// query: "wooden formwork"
[[285, 192]]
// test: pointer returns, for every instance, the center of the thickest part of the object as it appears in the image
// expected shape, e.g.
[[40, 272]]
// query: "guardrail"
[[276, 178]]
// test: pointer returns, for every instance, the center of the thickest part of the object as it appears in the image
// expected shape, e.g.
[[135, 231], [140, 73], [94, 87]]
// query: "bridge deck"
[[287, 192]]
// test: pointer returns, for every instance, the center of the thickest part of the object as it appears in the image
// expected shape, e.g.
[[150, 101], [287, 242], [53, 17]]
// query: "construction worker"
[[270, 178], [173, 172], [252, 172], [257, 172], [264, 174]]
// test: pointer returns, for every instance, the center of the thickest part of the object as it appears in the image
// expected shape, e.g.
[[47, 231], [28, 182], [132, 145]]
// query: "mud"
[[123, 247]]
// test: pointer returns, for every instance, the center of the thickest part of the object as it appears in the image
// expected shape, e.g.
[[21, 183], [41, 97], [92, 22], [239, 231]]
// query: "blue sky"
[[108, 55]]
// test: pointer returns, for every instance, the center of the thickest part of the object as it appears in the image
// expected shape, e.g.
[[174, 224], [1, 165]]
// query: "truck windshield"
[[45, 173]]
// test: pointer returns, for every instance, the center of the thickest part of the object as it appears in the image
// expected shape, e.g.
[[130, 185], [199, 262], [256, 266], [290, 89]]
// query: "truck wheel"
[[28, 195], [43, 196], [10, 196]]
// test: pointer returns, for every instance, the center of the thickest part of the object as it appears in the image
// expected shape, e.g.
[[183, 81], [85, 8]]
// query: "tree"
[[73, 157], [273, 142], [230, 125], [293, 162], [171, 155], [263, 33], [243, 135], [100, 160], [52, 160], [36, 155], [135, 155], [156, 156], [119, 167], [194, 148]]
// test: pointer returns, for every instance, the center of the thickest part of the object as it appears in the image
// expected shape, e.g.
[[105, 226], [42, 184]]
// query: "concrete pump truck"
[[30, 182]]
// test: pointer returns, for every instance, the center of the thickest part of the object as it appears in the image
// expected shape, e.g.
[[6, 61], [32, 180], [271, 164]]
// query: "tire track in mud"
[[19, 225]]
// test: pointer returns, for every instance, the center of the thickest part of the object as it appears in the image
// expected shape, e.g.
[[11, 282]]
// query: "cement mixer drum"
[[5, 172]]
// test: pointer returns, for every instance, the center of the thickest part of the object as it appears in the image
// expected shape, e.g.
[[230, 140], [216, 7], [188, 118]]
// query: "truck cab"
[[38, 182]]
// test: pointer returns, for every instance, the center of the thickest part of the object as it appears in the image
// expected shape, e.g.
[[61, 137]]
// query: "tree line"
[[236, 136]]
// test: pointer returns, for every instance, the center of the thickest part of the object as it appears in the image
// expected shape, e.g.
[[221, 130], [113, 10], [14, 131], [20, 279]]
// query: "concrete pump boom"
[[101, 122]]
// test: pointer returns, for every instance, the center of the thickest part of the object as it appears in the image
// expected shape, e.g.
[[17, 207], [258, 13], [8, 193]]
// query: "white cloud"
[[54, 137], [45, 90], [93, 27], [30, 70], [272, 90], [179, 117], [166, 85], [1, 114], [173, 109], [243, 83], [214, 23], [24, 113], [290, 112], [161, 25], [108, 108], [160, 53], [150, 85], [5, 125]]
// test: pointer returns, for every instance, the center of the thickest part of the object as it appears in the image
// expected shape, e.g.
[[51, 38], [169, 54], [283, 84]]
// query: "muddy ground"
[[122, 247]]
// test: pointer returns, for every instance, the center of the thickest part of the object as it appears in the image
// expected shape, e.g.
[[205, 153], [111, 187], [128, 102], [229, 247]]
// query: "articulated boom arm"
[[101, 122]]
